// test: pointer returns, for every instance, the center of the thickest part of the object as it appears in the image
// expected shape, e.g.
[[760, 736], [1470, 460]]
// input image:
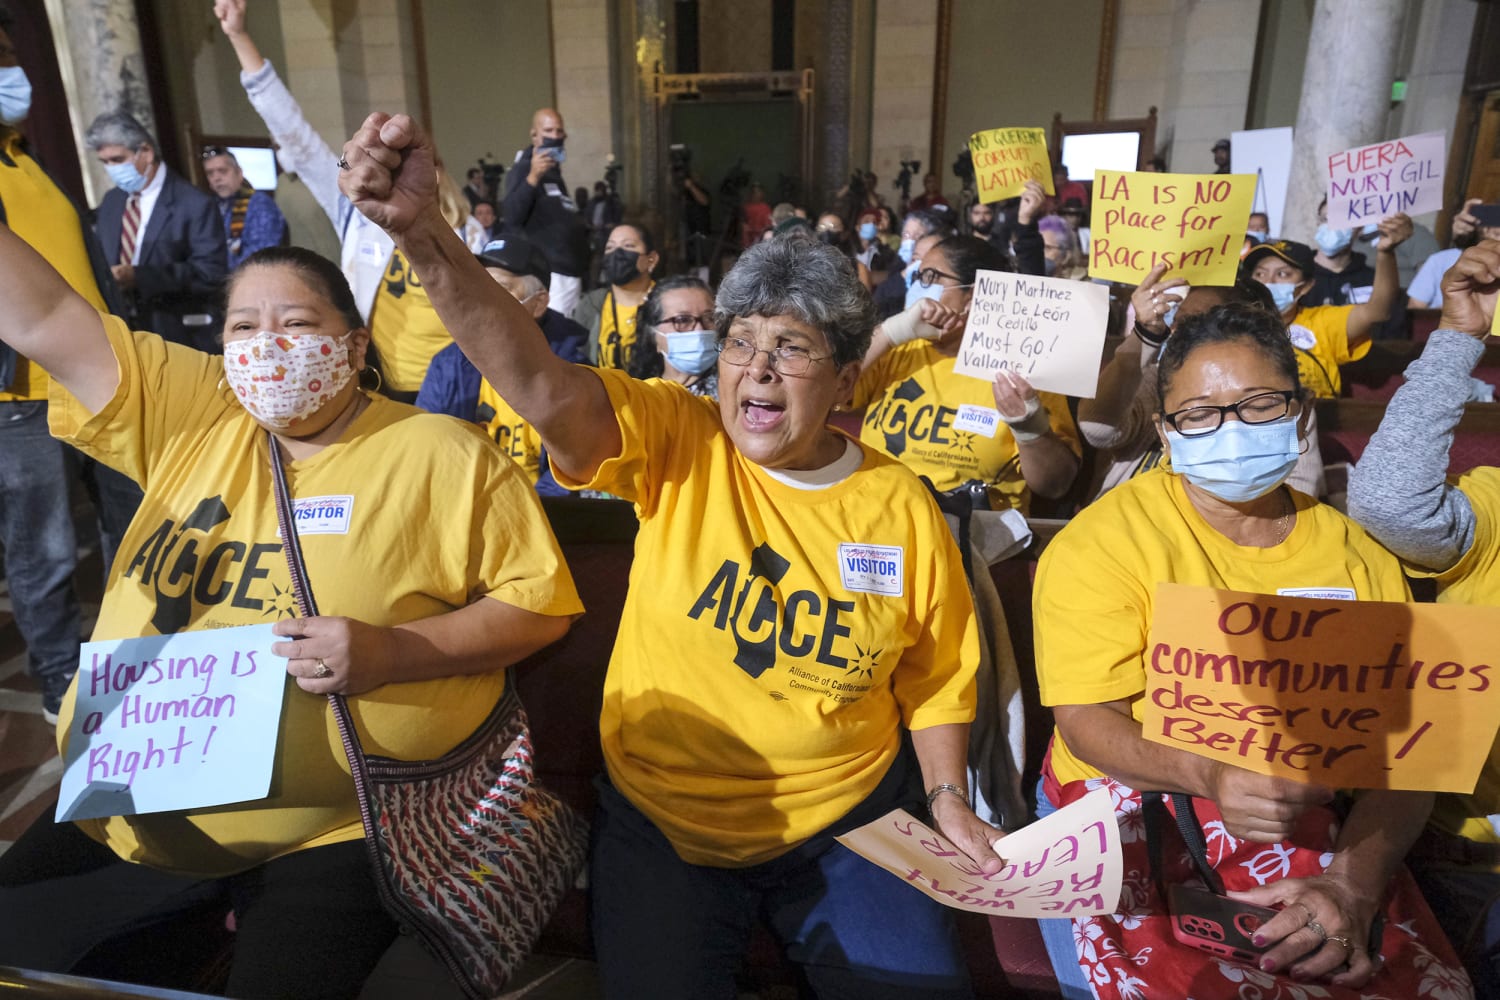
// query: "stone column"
[[832, 86], [901, 98], [104, 70], [582, 86], [1346, 96]]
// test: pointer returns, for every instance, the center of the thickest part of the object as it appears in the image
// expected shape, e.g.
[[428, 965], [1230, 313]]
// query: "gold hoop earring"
[[379, 381]]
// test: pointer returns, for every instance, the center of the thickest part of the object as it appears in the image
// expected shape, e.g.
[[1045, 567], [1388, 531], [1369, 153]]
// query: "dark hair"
[[644, 360], [967, 255], [485, 201], [641, 231], [1159, 163], [1255, 325], [1244, 291], [473, 171], [931, 222], [318, 272]]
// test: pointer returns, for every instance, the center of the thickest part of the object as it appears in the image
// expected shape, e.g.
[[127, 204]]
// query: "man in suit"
[[163, 237]]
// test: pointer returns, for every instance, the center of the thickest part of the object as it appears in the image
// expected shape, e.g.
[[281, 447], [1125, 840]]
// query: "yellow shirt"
[[1474, 579], [1096, 585], [405, 326], [774, 640], [422, 516], [1321, 336], [616, 332], [516, 438], [43, 216], [945, 426]]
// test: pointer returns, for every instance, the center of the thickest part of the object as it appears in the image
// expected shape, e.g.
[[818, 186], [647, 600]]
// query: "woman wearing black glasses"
[[1232, 420], [677, 339], [797, 650]]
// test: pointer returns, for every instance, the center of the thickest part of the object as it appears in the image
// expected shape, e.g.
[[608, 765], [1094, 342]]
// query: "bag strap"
[[1153, 806], [307, 607]]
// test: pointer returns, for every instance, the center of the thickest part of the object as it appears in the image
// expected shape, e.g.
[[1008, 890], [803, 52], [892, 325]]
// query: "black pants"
[[307, 925]]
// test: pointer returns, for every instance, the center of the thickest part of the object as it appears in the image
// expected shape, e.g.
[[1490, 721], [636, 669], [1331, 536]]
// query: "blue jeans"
[[670, 930], [1057, 932], [41, 553]]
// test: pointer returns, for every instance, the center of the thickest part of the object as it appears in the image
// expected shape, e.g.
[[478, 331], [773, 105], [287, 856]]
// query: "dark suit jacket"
[[183, 260]]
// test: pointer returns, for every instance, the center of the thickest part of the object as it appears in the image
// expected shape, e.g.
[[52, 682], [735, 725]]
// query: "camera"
[[612, 171], [493, 171], [963, 167]]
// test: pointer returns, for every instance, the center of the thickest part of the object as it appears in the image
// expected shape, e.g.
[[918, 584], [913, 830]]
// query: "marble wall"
[[582, 85], [901, 92]]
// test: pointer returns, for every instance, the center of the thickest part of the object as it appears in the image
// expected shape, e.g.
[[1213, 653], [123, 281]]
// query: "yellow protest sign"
[[1194, 222], [1349, 694], [1006, 158]]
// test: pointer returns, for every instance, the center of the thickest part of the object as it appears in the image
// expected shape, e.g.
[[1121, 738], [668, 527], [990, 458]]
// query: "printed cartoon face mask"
[[283, 378]]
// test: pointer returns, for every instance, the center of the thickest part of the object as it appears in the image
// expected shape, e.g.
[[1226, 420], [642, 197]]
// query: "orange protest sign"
[[1195, 223], [1006, 158], [1350, 694]]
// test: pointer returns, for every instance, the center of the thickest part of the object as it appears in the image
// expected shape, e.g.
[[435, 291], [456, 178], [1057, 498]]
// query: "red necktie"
[[129, 225]]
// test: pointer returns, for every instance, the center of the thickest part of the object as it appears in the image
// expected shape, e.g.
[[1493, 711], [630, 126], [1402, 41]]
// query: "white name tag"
[[977, 420], [1301, 336], [553, 191], [872, 569], [1321, 593], [323, 515], [369, 253]]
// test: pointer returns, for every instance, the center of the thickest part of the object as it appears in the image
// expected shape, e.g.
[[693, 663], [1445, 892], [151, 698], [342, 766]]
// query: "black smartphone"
[[1216, 924], [1488, 215]]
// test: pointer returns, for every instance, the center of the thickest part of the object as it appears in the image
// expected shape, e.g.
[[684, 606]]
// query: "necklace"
[[1284, 522]]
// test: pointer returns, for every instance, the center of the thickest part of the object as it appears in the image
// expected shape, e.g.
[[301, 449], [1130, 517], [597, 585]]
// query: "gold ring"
[[1339, 939], [324, 670]]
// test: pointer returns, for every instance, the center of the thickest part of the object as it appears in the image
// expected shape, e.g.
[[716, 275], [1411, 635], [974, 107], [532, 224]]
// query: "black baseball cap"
[[516, 254], [1299, 255], [1221, 144]]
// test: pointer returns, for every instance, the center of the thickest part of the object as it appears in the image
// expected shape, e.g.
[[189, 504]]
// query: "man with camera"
[[538, 206]]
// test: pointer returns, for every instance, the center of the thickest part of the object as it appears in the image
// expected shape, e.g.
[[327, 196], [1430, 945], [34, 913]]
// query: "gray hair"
[[116, 128], [806, 280]]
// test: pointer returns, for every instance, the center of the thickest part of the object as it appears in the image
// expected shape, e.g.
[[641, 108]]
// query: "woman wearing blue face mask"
[[1232, 418], [1326, 335], [678, 341]]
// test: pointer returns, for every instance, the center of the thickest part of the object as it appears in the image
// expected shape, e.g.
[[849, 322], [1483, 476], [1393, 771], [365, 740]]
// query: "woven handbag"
[[469, 854]]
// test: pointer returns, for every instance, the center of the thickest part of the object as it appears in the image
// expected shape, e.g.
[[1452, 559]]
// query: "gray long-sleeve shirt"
[[1399, 491]]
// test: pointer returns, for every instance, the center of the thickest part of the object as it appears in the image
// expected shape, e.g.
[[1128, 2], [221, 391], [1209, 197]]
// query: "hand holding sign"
[[330, 655], [1469, 291], [1050, 331]]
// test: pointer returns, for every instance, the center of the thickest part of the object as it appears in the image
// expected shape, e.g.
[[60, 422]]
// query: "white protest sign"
[[1371, 182], [1050, 331], [1067, 864], [1266, 153], [172, 722]]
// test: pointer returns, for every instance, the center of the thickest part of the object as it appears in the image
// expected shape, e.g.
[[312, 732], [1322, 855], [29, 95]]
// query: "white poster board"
[[1048, 330], [1267, 153]]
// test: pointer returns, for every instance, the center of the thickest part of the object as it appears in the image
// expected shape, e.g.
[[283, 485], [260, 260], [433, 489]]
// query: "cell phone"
[[1216, 924], [1488, 215]]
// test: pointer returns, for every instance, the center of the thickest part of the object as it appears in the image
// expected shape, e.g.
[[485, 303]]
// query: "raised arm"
[[1116, 416], [48, 322], [1366, 316], [301, 148], [1399, 490], [392, 180]]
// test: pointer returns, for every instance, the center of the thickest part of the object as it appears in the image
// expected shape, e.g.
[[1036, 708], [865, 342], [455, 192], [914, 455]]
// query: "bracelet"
[[937, 790], [1147, 337]]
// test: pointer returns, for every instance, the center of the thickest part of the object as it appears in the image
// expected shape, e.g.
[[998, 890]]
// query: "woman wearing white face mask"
[[951, 428], [431, 560], [678, 341], [1232, 419]]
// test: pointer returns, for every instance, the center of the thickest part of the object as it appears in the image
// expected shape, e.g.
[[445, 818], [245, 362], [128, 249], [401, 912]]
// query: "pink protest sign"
[[1369, 183], [1067, 864]]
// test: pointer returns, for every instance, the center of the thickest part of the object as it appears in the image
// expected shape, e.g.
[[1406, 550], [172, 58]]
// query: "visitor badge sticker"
[[981, 420], [872, 569], [322, 515], [171, 722]]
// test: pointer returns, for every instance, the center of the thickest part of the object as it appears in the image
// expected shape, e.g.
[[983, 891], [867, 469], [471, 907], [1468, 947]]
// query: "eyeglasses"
[[1262, 408], [929, 276], [788, 359], [684, 322]]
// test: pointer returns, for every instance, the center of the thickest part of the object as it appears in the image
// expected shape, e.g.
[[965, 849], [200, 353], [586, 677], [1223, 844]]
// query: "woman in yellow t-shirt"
[[1449, 531], [609, 313], [427, 552], [952, 428], [797, 650], [1231, 418]]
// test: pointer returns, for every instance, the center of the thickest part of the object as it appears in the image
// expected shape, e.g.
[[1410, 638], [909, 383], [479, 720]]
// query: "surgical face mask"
[[622, 266], [693, 352], [1332, 241], [554, 148], [906, 250], [1283, 293], [917, 291], [867, 231], [15, 95], [1049, 266], [1170, 316], [1239, 461], [283, 378], [126, 177]]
